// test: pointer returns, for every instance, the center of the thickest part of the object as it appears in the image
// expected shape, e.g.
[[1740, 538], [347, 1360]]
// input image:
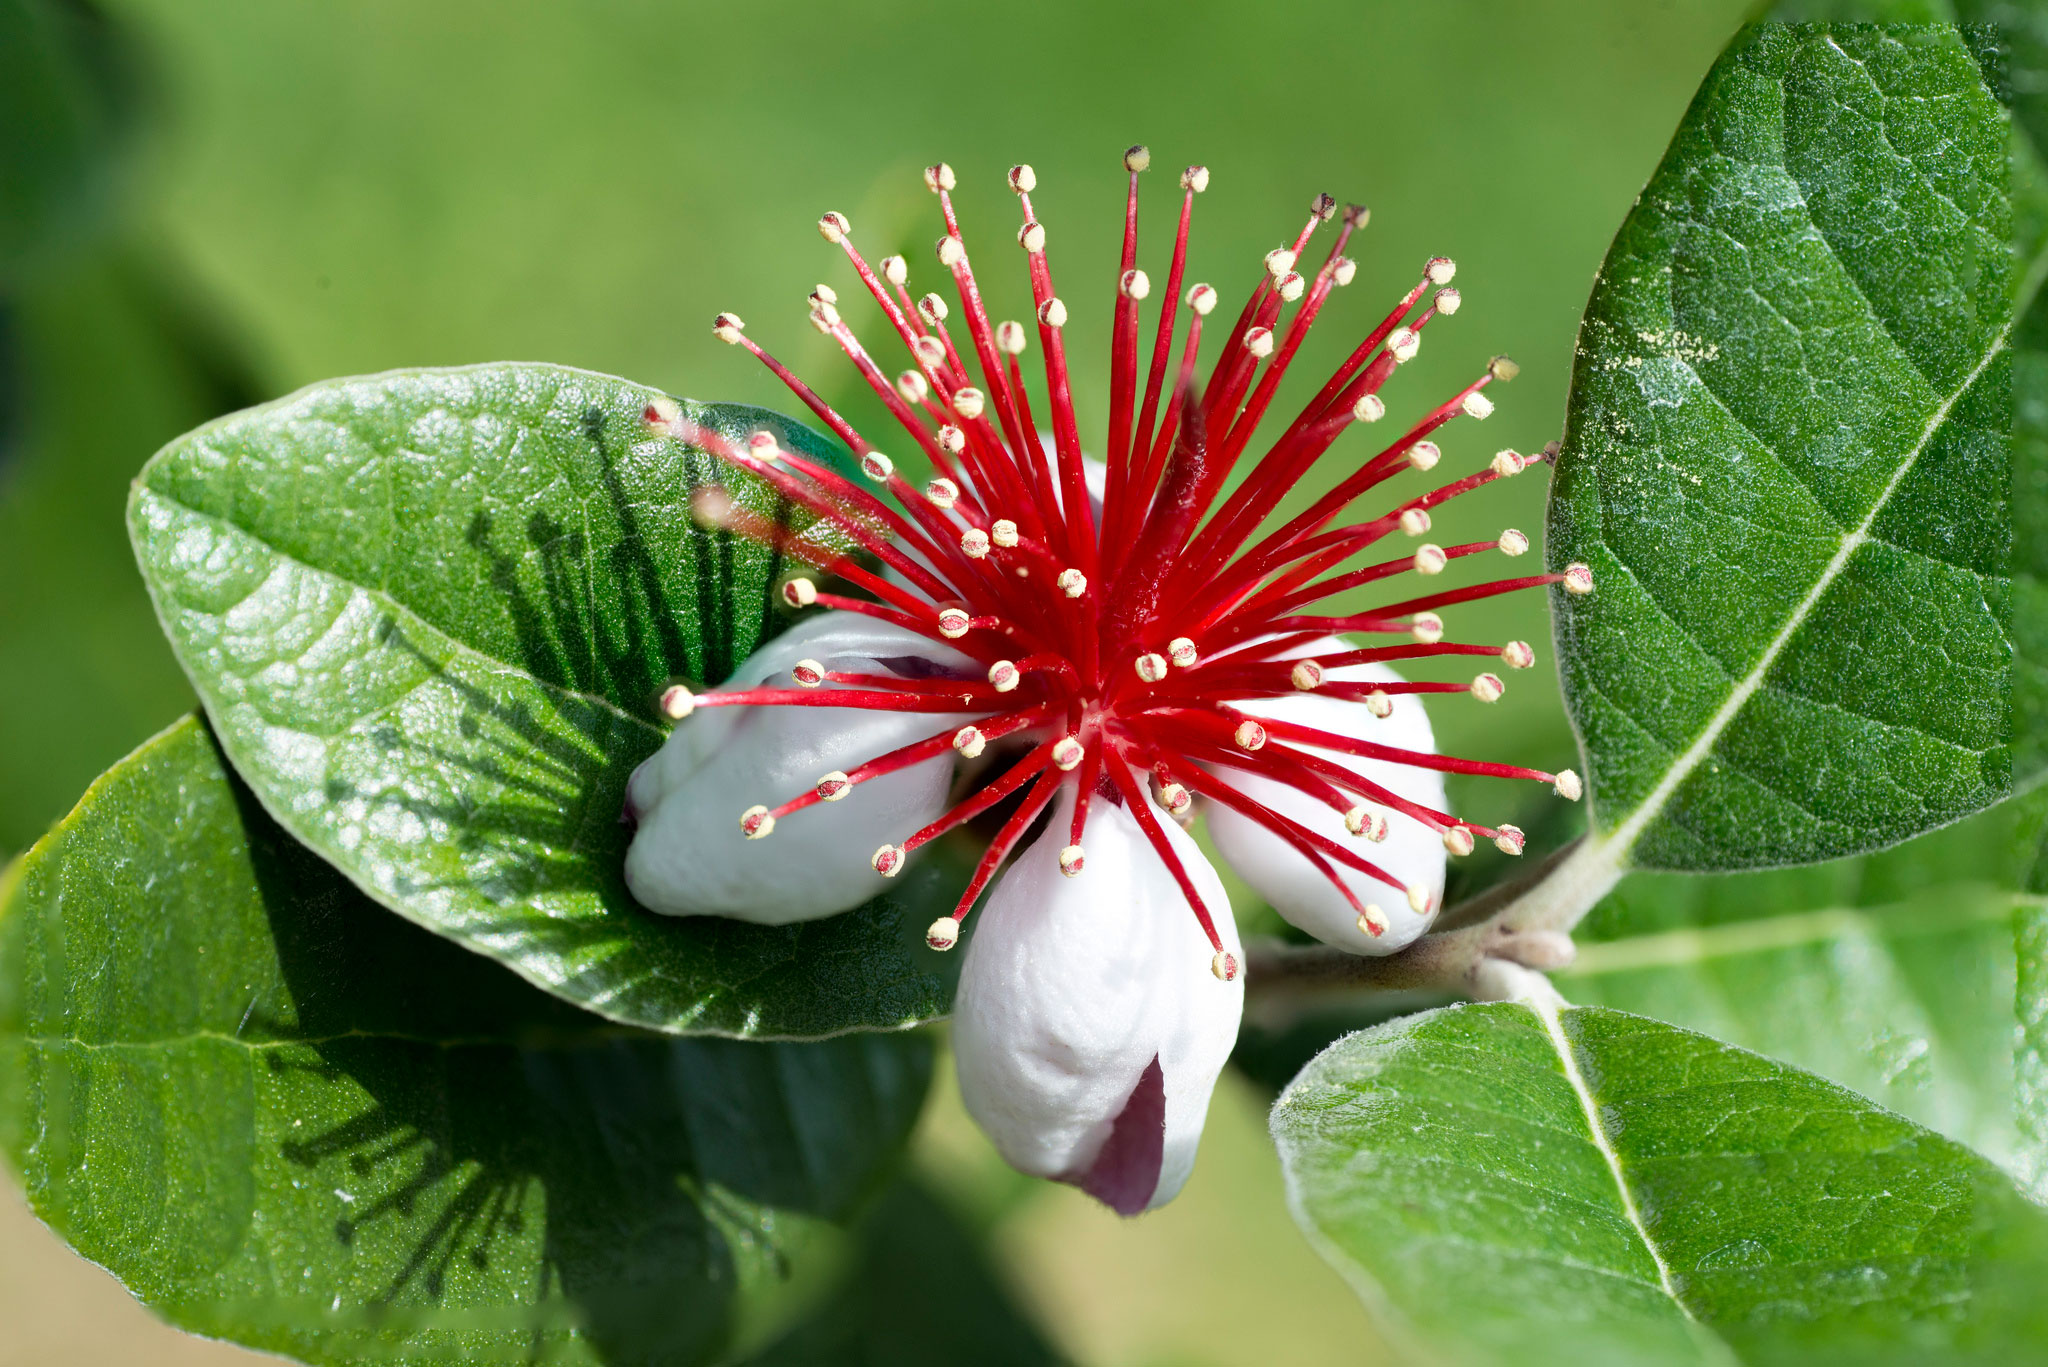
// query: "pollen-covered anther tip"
[[833, 227], [1369, 408], [969, 402], [1324, 207], [1066, 753], [1137, 158], [1430, 558], [677, 702], [1279, 261], [1343, 271], [932, 309], [888, 861], [1447, 302], [727, 327], [943, 933], [941, 492], [711, 507], [1072, 583], [807, 673], [969, 741], [1509, 840], [1031, 237], [895, 270], [1174, 797], [1372, 921], [1259, 341], [913, 386], [1023, 179], [1225, 966], [756, 823], [1306, 675], [1458, 841], [1195, 179], [1364, 821], [1418, 899], [662, 415], [1150, 666], [762, 446], [1578, 577], [1488, 688], [834, 786], [1135, 284], [974, 543], [1508, 464], [1379, 704], [1249, 735], [929, 350], [1426, 627], [799, 592], [1424, 454], [951, 250], [1476, 405], [1053, 313], [952, 440], [1440, 270], [1011, 339], [1072, 860], [1004, 676], [939, 177], [1414, 521], [824, 314], [1202, 299], [824, 294], [953, 623], [877, 467], [1517, 655], [1291, 286], [1181, 650], [1567, 786], [1403, 343], [1503, 368], [1003, 532]]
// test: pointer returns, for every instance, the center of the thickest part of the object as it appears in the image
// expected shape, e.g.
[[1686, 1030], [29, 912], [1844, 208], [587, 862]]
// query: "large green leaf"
[[1897, 974], [1786, 463], [285, 1117], [429, 614], [1504, 1184]]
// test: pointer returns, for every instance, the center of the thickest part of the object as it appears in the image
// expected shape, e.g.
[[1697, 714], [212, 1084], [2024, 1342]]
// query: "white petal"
[[689, 856], [1089, 1000], [1412, 853]]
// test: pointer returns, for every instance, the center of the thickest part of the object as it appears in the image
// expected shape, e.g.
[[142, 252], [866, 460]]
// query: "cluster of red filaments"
[[1117, 646]]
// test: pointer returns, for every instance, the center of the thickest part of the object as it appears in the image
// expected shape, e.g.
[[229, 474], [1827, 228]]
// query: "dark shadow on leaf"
[[505, 1127]]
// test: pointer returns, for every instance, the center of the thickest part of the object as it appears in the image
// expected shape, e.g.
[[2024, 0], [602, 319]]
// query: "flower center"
[[1124, 635]]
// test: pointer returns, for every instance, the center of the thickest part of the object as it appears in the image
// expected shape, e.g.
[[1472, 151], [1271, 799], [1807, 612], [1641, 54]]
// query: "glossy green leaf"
[[283, 1116], [1786, 462], [1897, 974], [1508, 1185], [429, 614]]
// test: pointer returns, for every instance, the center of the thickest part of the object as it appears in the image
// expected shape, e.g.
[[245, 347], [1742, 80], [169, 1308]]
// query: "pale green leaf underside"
[[429, 614], [1899, 974], [1786, 461], [283, 1116], [1585, 1187]]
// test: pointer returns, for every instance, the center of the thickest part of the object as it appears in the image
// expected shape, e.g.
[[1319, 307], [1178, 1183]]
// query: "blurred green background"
[[204, 204]]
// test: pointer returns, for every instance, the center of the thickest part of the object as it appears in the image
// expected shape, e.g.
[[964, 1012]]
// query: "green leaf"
[[1895, 974], [429, 614], [1786, 462], [285, 1117], [1510, 1185]]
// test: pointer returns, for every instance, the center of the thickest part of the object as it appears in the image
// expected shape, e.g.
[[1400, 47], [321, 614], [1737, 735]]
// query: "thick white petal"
[[689, 856], [1412, 853], [1087, 1002]]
